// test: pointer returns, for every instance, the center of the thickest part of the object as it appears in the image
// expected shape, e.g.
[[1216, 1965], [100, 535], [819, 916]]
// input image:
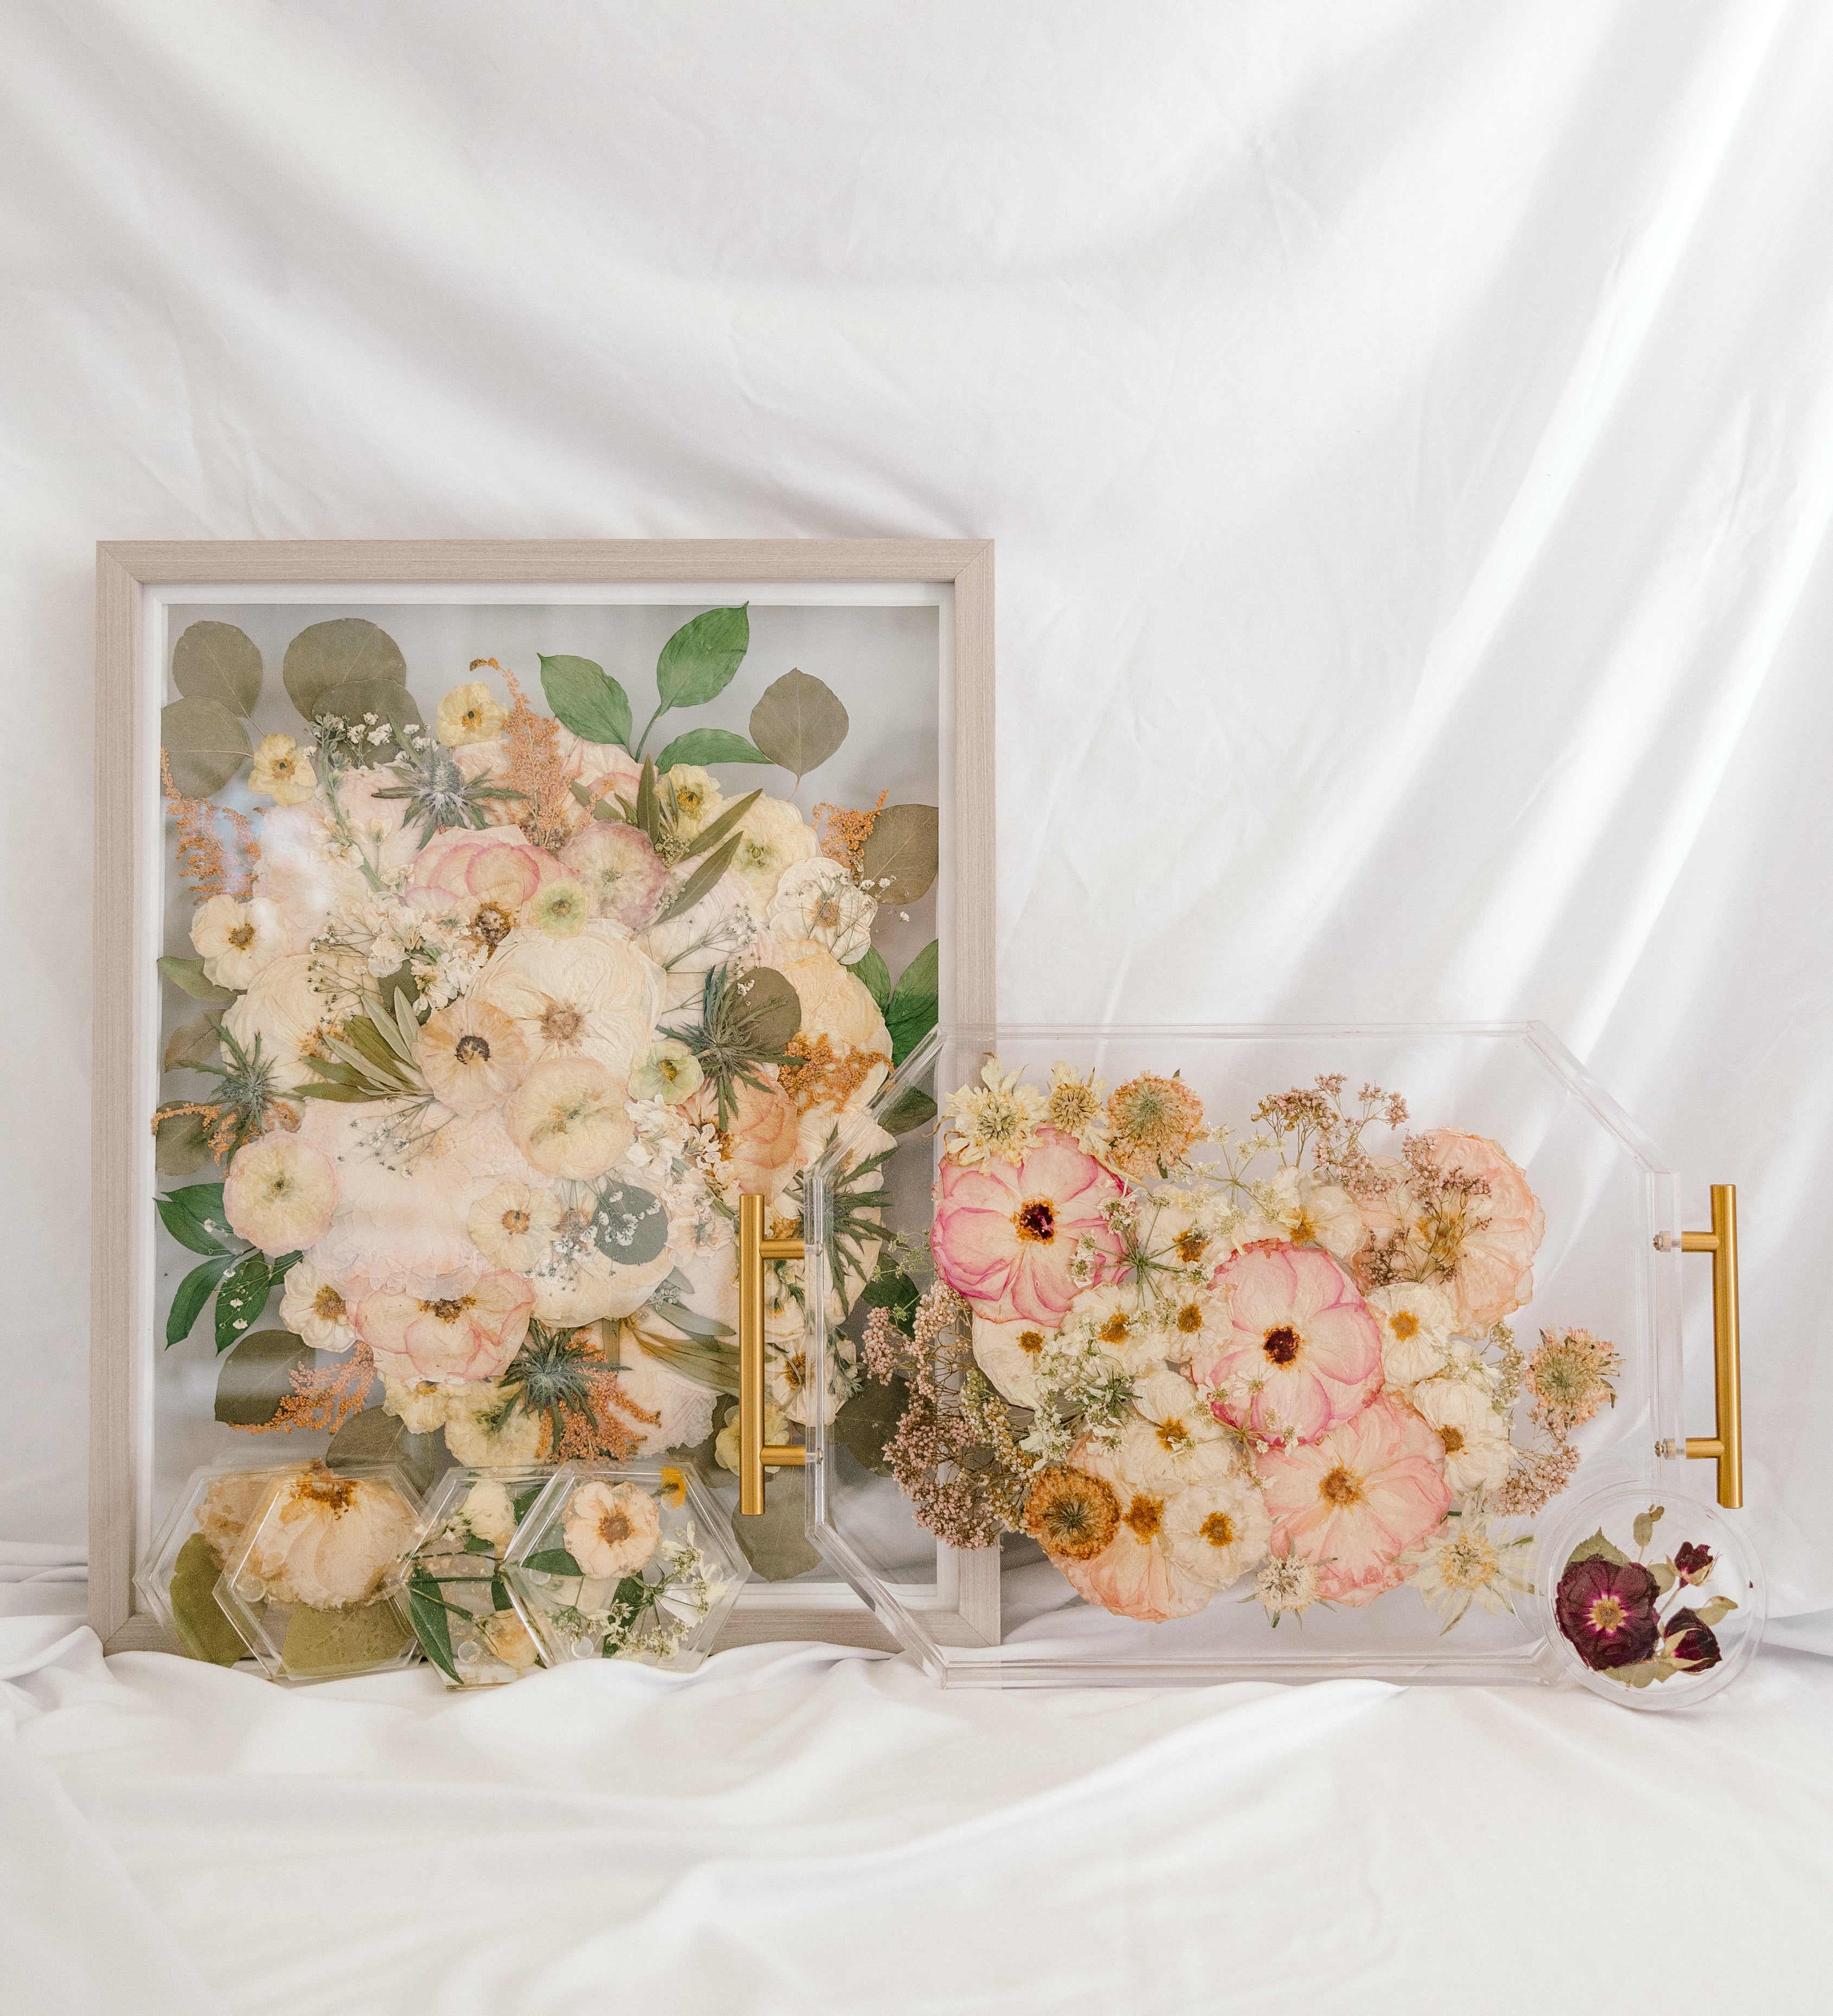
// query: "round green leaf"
[[324, 655], [217, 661], [322, 1642], [769, 1008], [206, 744], [776, 1540], [798, 723], [203, 1631], [183, 1147], [196, 1041], [628, 1225], [258, 1375], [899, 859], [698, 661], [869, 1421]]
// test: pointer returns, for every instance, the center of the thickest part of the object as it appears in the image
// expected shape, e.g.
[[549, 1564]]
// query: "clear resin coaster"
[[204, 1528], [625, 1561], [457, 1601]]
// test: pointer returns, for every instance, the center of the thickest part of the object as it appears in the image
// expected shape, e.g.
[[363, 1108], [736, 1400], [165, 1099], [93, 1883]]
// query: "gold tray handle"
[[754, 1250], [1726, 1448]]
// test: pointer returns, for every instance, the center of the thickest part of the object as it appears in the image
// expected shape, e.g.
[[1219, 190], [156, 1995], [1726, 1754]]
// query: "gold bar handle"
[[1726, 1447], [754, 1250]]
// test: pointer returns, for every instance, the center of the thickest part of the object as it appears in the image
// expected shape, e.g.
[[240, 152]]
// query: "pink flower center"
[[1036, 1220], [1282, 1344]]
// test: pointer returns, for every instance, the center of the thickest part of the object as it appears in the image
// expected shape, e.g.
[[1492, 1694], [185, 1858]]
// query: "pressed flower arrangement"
[[497, 1014]]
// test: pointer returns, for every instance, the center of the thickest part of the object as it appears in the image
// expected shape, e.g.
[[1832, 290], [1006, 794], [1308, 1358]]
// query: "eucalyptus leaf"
[[709, 745], [324, 655], [1598, 1548], [193, 1042], [188, 976], [388, 700], [771, 1008], [203, 1631], [912, 1107], [194, 1217], [798, 723], [872, 974], [194, 1291], [898, 861], [217, 661], [323, 1643], [257, 1376], [206, 745], [775, 1540], [242, 1299], [1644, 1526], [584, 697], [869, 1421], [629, 1224], [914, 1002], [181, 1146], [425, 1609], [698, 661], [376, 1436]]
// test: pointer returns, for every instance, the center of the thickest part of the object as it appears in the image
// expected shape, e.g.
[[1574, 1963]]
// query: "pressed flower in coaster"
[[457, 1599], [316, 1584], [625, 1561], [1652, 1604]]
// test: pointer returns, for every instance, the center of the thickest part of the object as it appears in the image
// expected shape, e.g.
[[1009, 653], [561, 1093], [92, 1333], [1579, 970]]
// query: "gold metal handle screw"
[[754, 1250], [1726, 1448]]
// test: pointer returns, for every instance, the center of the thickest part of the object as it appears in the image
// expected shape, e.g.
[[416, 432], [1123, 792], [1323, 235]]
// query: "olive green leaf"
[[206, 745], [196, 1041], [376, 1436], [628, 1224], [776, 1542], [912, 1107], [872, 974], [1643, 1527], [698, 661], [798, 723], [343, 1641], [869, 1421], [721, 828], [700, 881], [324, 655], [1598, 1548], [769, 1007], [898, 861], [555, 1561], [258, 1375], [242, 1298], [1717, 1609], [892, 1289], [194, 1291], [1663, 1572], [217, 661], [181, 1146], [388, 700], [426, 1608], [584, 697], [914, 1002], [709, 745], [187, 975], [203, 1631], [194, 1217]]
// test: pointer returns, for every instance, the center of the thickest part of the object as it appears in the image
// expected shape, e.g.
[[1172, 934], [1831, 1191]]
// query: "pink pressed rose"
[[494, 868], [1004, 1235], [1354, 1502], [1494, 1270], [471, 1334], [1296, 1350], [761, 1136]]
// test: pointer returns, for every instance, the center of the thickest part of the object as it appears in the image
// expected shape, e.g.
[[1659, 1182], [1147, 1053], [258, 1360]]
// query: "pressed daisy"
[[1192, 1321], [561, 909], [1155, 1122], [612, 1529], [1072, 1515], [472, 1056], [1464, 1562], [1568, 1378], [1416, 1320], [1177, 1441], [1009, 1354], [513, 1225], [1314, 1213], [1119, 1320], [1139, 1574], [1217, 1528], [998, 1118], [1074, 1106], [671, 1073], [468, 713]]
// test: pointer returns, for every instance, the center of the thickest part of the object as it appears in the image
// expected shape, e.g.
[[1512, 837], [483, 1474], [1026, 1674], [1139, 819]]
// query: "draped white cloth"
[[1408, 437]]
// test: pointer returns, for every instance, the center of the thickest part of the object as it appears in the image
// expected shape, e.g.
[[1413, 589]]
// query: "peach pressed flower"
[[324, 1540], [567, 1118], [1488, 1244], [593, 994], [1155, 1122], [612, 1529], [1071, 1514], [834, 1003], [486, 878], [1177, 1441], [1416, 1320], [618, 868], [472, 1057], [470, 1333], [280, 1193], [1136, 1574], [759, 1139]]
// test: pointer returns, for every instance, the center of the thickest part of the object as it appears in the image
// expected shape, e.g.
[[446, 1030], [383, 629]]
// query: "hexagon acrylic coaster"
[[1652, 1601], [178, 1580], [316, 1586], [457, 1601], [625, 1561]]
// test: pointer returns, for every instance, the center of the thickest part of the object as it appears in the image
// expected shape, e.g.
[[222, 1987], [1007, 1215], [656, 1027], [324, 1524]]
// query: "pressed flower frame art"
[[475, 926]]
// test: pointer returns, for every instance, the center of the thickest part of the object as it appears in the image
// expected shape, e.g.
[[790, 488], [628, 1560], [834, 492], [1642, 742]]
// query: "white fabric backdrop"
[[1407, 431]]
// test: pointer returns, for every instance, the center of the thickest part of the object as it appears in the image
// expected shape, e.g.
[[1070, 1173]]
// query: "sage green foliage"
[[898, 861], [776, 1542], [869, 1421], [216, 661], [258, 1375], [426, 1610], [912, 1107], [188, 976], [194, 1291], [872, 973], [181, 1147], [206, 745], [799, 722], [698, 663], [1598, 1548], [377, 1436], [709, 745], [192, 1043], [584, 697], [892, 1289], [242, 1296], [203, 1631], [324, 656], [388, 700], [911, 1012], [322, 1642]]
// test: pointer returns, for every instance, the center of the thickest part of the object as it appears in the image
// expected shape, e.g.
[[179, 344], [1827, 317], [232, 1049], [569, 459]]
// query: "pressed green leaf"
[[187, 976], [217, 661], [321, 1642], [181, 1146], [709, 745], [912, 1107], [869, 1421], [193, 1042], [586, 698], [798, 723], [1598, 1548], [770, 1008], [775, 1541], [426, 1608], [376, 1436], [553, 1560], [324, 655], [257, 1376], [203, 1631], [1663, 1572], [388, 700], [523, 1498], [717, 830], [1644, 1525], [194, 1291], [499, 1594], [898, 863], [698, 661], [242, 1298], [343, 1094], [206, 745], [891, 1288], [874, 975], [1716, 1609], [194, 1217], [700, 881], [627, 1224], [914, 1001], [648, 814]]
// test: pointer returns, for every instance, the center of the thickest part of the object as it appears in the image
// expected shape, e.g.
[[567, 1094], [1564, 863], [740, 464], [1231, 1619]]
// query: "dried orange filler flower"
[[845, 832], [534, 766], [202, 861], [815, 1077]]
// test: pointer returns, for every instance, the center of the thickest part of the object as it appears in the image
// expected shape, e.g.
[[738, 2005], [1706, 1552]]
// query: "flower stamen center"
[[1036, 1220], [1281, 1345]]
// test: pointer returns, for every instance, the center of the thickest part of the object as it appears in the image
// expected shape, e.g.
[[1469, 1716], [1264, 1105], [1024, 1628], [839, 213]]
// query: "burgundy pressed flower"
[[1689, 1643], [1692, 1562], [1606, 1611]]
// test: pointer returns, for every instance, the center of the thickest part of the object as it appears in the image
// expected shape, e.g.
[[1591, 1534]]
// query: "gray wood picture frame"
[[128, 689]]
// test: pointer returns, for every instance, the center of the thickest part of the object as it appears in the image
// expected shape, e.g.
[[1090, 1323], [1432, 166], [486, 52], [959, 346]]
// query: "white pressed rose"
[[286, 1012], [326, 1540], [818, 899], [1177, 1441], [1315, 1214], [684, 1407], [1477, 1450], [507, 1636], [612, 1529], [513, 1226], [313, 1307], [798, 1385], [469, 714], [567, 1118], [698, 800], [775, 838], [593, 994], [279, 1194], [488, 1512], [1416, 1320], [1008, 1354], [236, 939], [482, 1434], [421, 1408]]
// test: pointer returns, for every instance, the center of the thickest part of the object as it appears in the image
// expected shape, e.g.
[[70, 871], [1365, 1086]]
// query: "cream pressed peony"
[[1299, 1350], [286, 1011], [1353, 1502], [281, 771], [469, 714], [279, 1194], [612, 1529], [469, 1333], [421, 1408], [773, 837], [513, 1225], [1478, 1455], [236, 939], [683, 1407], [1007, 1236], [487, 1511], [619, 870], [819, 901], [567, 1118], [1416, 1321], [593, 994], [313, 1307], [471, 1055], [325, 1540], [1008, 1354]]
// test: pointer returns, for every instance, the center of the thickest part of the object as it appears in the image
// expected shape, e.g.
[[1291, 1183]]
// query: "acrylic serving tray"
[[1289, 1407]]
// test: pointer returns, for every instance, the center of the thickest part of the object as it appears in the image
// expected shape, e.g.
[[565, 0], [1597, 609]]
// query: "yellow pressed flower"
[[468, 713], [674, 1485], [283, 771]]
